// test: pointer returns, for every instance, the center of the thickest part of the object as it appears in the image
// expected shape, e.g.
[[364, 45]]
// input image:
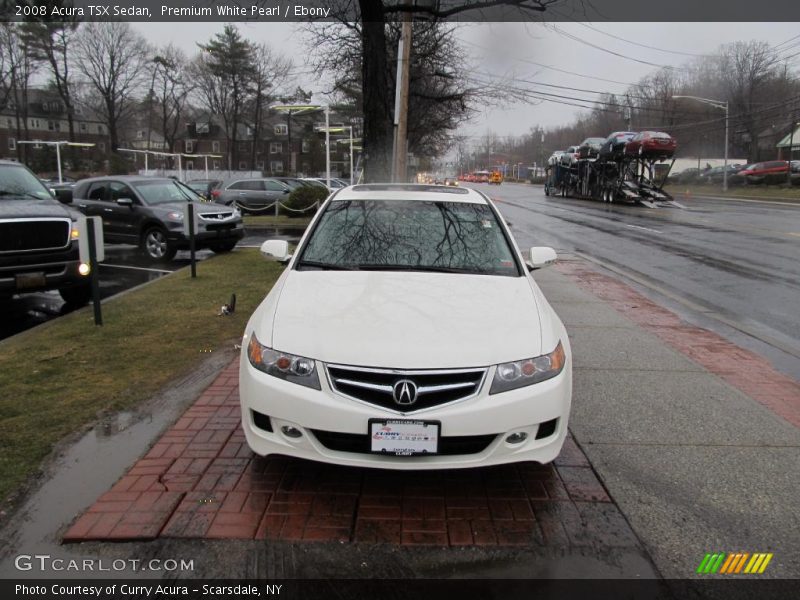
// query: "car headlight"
[[175, 216], [517, 374], [296, 369]]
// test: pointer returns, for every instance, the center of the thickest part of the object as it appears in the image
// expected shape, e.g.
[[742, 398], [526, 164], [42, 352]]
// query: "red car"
[[758, 172], [651, 144]]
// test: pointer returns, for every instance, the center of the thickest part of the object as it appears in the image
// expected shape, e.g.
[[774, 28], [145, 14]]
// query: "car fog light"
[[517, 438], [84, 269], [292, 432]]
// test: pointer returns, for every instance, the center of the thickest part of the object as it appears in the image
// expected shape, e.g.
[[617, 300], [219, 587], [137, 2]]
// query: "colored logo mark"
[[734, 563]]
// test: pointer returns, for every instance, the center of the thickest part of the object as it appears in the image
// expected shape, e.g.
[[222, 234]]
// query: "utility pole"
[[401, 141], [791, 143]]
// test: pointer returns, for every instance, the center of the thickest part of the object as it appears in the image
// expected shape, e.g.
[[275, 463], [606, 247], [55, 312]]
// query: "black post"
[[94, 272], [191, 238]]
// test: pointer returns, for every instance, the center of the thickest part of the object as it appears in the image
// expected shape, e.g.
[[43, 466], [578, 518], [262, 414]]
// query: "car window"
[[253, 185], [98, 190], [119, 190], [274, 186], [411, 234], [162, 191]]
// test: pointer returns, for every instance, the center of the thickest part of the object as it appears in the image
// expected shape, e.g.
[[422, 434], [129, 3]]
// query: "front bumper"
[[205, 238], [524, 410]]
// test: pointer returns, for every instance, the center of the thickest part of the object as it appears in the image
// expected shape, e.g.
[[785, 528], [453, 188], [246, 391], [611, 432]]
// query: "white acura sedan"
[[406, 333]]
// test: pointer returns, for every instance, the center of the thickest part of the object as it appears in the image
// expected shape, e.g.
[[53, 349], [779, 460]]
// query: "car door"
[[248, 194], [93, 198], [276, 191], [123, 219]]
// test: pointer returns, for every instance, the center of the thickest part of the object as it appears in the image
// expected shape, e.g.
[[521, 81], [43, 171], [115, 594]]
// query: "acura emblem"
[[405, 392]]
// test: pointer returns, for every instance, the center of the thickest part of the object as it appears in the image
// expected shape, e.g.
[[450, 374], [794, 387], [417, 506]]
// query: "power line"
[[616, 37]]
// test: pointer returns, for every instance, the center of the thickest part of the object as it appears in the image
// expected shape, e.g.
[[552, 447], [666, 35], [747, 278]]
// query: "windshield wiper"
[[424, 268], [326, 266], [21, 194]]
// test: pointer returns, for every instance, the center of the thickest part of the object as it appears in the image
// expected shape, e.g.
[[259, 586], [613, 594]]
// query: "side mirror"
[[125, 202], [53, 193], [285, 191], [277, 250], [541, 256]]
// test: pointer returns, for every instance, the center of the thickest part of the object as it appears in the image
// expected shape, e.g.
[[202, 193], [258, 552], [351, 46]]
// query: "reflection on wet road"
[[125, 267], [735, 266]]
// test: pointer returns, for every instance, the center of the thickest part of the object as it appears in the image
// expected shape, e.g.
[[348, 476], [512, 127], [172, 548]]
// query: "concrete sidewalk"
[[696, 464]]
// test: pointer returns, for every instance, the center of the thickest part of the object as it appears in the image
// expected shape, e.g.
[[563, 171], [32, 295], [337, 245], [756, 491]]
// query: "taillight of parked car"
[[215, 193]]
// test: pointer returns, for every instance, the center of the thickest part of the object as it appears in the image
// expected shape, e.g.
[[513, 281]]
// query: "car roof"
[[133, 179], [410, 191]]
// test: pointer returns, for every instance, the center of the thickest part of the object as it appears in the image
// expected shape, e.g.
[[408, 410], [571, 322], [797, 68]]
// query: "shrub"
[[303, 198]]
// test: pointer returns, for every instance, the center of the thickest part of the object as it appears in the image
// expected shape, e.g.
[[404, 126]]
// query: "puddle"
[[89, 467]]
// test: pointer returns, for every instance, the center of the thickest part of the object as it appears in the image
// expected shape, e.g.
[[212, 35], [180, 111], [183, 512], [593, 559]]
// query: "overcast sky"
[[508, 50]]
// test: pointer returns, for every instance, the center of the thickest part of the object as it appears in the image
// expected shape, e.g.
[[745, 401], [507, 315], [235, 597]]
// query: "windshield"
[[410, 235], [16, 181], [165, 191]]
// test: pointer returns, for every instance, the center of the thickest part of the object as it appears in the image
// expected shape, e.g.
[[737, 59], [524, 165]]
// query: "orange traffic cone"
[[687, 195]]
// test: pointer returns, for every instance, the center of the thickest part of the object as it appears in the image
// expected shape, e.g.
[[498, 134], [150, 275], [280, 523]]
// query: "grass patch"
[[766, 192], [55, 380], [273, 221]]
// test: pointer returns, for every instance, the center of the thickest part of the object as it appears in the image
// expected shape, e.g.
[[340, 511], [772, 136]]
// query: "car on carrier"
[[406, 332], [38, 239]]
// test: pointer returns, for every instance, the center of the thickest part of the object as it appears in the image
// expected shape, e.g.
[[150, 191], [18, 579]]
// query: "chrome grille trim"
[[343, 376]]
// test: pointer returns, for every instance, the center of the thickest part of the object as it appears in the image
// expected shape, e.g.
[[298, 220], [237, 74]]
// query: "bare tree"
[[113, 58], [51, 42], [270, 74], [18, 64], [171, 88]]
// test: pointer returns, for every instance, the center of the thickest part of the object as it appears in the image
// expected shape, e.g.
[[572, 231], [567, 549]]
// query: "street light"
[[340, 129], [722, 105], [306, 108], [58, 150]]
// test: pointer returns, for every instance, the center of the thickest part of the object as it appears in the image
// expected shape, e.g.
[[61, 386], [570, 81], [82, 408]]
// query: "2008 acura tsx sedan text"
[[406, 332]]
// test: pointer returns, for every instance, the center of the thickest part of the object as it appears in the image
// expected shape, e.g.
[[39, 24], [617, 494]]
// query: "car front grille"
[[25, 235], [216, 216], [360, 443], [383, 387]]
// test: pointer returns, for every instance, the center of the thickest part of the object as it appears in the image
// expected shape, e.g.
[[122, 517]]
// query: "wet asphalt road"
[[730, 266], [125, 267]]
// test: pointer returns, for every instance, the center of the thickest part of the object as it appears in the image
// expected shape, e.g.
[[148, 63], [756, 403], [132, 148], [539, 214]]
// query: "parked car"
[[415, 389], [590, 147], [335, 184], [251, 194], [766, 172], [651, 144], [716, 174], [614, 145], [148, 212], [38, 239], [293, 182], [203, 187], [569, 156], [555, 157]]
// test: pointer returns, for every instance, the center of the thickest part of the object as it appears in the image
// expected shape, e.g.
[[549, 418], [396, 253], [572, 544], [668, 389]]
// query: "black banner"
[[733, 588], [451, 10]]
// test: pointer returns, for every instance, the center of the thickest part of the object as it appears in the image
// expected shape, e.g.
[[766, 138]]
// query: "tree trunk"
[[377, 109]]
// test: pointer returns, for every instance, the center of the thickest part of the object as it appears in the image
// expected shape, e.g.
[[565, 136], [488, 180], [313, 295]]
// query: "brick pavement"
[[200, 480]]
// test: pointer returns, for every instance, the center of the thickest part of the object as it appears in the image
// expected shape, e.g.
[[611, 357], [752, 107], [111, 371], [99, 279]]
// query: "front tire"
[[223, 247], [76, 296], [156, 246]]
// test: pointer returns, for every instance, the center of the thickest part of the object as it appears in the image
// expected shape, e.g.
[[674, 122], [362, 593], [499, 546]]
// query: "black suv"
[[38, 239], [148, 212]]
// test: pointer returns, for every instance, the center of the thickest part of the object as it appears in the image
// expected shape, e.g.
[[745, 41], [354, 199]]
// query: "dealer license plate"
[[404, 438], [25, 281]]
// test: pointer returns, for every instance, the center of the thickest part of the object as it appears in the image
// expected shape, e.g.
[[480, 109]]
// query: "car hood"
[[26, 208], [404, 319]]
